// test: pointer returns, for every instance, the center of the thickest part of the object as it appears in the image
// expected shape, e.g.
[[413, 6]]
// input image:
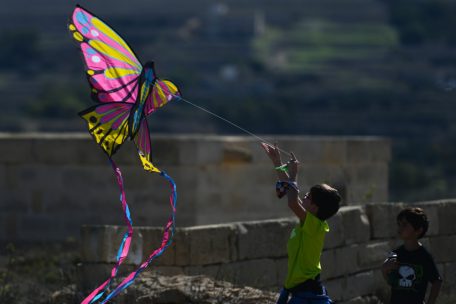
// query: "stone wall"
[[53, 183], [254, 253]]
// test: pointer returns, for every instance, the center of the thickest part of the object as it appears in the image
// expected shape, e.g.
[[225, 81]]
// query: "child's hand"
[[390, 265], [273, 153], [293, 167]]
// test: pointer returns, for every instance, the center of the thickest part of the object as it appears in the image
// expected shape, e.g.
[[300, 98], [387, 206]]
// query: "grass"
[[31, 273]]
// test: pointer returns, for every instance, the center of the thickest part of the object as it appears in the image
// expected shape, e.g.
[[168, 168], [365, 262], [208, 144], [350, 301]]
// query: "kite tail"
[[166, 241], [124, 247]]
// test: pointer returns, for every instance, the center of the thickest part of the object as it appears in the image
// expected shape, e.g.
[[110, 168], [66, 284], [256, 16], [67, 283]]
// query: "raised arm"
[[294, 202], [273, 153]]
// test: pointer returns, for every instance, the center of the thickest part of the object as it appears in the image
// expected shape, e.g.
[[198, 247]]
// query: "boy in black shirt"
[[411, 267]]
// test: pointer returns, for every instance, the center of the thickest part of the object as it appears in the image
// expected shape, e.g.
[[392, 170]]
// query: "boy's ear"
[[314, 206]]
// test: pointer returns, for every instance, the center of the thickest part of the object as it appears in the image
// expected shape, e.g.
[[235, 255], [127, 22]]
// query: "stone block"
[[306, 149], [446, 297], [363, 283], [441, 268], [177, 254], [60, 150], [152, 239], [379, 281], [447, 210], [166, 270], [356, 224], [3, 180], [321, 173], [255, 273], [349, 287], [200, 151], [443, 248], [252, 147], [336, 288], [226, 193], [263, 239], [372, 173], [338, 262], [449, 277], [100, 176], [14, 150], [20, 176], [336, 235], [282, 269], [128, 155], [383, 290], [166, 151], [333, 151], [372, 255], [327, 150], [236, 154], [371, 150], [100, 244], [367, 182], [150, 210], [182, 248], [212, 244], [207, 270], [328, 264], [432, 210], [382, 218]]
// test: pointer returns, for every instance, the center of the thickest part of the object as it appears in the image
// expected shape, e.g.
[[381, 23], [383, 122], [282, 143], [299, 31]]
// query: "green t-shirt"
[[304, 250]]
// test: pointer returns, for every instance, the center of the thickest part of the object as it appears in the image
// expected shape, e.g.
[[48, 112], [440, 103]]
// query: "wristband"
[[283, 168]]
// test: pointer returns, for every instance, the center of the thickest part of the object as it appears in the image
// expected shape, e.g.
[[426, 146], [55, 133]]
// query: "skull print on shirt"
[[408, 276]]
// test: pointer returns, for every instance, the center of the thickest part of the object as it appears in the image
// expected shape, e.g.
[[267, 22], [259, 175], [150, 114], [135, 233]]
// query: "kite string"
[[231, 123]]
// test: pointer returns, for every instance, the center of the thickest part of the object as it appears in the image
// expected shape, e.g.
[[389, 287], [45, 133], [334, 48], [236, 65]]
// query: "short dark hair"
[[416, 217], [327, 199]]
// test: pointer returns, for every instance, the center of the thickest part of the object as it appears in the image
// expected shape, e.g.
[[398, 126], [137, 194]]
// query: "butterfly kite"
[[126, 92]]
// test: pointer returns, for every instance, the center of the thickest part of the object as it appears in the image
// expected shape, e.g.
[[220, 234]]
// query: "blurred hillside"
[[339, 67]]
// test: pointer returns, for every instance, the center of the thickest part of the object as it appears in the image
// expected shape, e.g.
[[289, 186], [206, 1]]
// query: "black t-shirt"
[[410, 280]]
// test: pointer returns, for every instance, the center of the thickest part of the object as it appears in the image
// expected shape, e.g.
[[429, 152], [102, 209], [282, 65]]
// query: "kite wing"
[[163, 92], [108, 124], [112, 68]]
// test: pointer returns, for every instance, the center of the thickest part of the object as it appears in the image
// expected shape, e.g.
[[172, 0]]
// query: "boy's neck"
[[411, 245]]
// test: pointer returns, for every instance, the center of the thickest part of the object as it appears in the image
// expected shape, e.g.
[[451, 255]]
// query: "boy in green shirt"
[[307, 238]]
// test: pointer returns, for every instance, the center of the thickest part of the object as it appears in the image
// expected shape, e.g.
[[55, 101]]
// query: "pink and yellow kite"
[[126, 92]]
